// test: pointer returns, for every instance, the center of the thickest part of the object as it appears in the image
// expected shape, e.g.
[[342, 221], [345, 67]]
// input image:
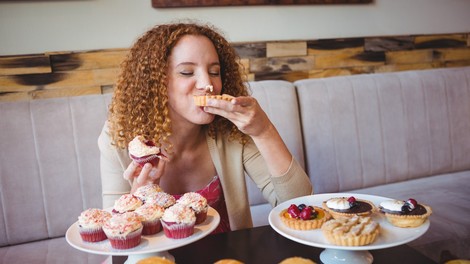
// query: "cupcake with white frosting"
[[197, 203], [90, 224], [124, 231], [150, 215], [178, 221], [147, 191], [126, 203], [144, 151]]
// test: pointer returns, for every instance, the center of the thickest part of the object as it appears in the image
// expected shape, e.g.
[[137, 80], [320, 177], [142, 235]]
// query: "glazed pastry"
[[405, 213], [297, 260], [155, 260], [304, 217], [351, 231], [348, 206]]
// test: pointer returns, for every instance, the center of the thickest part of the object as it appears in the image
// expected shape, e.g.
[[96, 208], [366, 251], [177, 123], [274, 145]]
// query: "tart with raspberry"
[[348, 206], [303, 217], [407, 213]]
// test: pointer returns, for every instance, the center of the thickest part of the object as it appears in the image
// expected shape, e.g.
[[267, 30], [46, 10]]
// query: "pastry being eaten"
[[201, 100], [351, 231]]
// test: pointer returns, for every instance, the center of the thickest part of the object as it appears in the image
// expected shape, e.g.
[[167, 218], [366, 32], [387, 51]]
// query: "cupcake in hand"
[[144, 151], [178, 221], [197, 203], [124, 231], [90, 224]]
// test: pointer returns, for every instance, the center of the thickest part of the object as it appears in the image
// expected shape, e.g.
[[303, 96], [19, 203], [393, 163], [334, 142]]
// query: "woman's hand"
[[143, 175], [244, 112]]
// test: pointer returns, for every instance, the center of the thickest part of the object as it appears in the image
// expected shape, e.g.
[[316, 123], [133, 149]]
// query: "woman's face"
[[193, 64]]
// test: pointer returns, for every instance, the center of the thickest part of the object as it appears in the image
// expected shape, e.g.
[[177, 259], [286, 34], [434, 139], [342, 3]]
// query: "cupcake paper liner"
[[131, 240], [177, 230], [92, 234], [151, 227]]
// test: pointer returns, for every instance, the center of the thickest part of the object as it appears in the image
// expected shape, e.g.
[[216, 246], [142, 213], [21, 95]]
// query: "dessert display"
[[407, 213], [150, 215], [303, 217], [126, 203], [348, 206], [178, 221], [197, 203], [144, 151], [124, 231], [351, 231], [90, 223], [147, 191], [201, 100]]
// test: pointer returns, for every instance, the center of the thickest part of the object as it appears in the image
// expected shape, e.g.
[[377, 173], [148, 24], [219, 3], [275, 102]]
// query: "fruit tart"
[[407, 213], [303, 217], [348, 206]]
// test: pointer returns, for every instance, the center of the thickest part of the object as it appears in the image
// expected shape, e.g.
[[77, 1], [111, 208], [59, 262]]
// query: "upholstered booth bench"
[[399, 135]]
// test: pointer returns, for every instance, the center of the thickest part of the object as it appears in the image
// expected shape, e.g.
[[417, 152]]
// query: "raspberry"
[[294, 211]]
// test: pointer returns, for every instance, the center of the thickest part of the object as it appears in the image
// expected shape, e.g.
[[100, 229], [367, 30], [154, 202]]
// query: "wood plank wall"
[[73, 73]]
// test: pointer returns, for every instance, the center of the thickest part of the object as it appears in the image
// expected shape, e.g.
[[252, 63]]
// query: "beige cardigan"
[[231, 160]]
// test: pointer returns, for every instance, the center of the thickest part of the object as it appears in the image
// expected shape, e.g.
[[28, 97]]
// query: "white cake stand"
[[390, 236], [154, 245]]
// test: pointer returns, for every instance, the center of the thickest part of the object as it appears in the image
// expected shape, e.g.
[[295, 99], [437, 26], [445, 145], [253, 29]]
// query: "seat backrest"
[[372, 129], [279, 100], [49, 165]]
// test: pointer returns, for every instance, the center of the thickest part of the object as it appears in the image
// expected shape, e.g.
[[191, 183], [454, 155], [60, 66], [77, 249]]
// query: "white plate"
[[390, 236], [149, 244]]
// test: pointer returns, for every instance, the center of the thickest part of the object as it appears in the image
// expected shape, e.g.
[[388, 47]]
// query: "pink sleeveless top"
[[215, 198]]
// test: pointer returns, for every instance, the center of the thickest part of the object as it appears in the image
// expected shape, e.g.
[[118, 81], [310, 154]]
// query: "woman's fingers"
[[131, 170]]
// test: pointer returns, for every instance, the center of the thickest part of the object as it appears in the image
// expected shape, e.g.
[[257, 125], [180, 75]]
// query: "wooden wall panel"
[[72, 73]]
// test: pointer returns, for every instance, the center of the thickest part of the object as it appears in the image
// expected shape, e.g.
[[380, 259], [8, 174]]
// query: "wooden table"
[[264, 245]]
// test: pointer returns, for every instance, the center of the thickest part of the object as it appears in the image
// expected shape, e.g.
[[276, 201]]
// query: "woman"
[[209, 148]]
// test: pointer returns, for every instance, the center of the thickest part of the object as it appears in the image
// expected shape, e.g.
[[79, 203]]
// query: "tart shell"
[[299, 224], [400, 220], [336, 214]]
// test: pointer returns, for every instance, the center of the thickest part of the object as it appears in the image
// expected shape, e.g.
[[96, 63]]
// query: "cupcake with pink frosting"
[[197, 203], [150, 215], [90, 224], [124, 231], [178, 221], [126, 203]]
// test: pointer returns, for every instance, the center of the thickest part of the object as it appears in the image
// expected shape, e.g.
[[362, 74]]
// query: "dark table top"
[[264, 245]]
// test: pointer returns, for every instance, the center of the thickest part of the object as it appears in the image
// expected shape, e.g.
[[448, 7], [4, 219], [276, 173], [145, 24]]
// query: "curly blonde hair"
[[140, 101]]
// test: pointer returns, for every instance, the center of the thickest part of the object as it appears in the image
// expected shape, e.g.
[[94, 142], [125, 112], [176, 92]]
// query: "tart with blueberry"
[[348, 206], [303, 217], [407, 213]]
